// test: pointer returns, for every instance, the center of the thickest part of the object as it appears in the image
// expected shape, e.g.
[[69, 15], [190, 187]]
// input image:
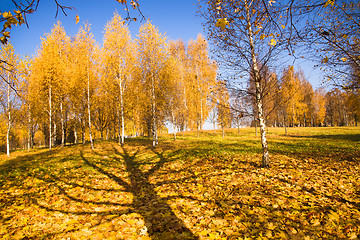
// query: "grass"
[[192, 188]]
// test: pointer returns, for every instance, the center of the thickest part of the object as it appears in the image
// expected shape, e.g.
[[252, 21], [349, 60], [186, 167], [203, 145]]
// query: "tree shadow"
[[348, 137], [160, 220]]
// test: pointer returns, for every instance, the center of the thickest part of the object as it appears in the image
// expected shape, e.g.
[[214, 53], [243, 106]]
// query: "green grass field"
[[192, 188]]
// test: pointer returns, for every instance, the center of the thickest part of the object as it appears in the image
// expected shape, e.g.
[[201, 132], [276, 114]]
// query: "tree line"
[[289, 100], [73, 88]]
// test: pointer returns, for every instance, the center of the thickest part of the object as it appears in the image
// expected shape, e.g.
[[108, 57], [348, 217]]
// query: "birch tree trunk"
[[75, 132], [118, 123], [153, 106], [174, 126], [197, 128], [88, 105], [265, 157], [122, 112], [238, 124], [29, 128], [50, 119], [54, 133], [83, 126], [9, 121], [62, 124]]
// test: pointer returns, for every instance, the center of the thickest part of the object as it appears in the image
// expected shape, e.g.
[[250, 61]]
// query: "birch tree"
[[223, 106], [28, 105], [9, 74], [118, 59], [245, 33], [202, 80], [152, 53], [294, 106], [84, 76], [179, 107], [47, 74]]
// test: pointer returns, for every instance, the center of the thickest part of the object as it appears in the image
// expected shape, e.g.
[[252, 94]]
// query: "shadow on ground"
[[201, 189]]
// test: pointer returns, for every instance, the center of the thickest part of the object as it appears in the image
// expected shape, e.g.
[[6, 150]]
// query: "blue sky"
[[177, 19]]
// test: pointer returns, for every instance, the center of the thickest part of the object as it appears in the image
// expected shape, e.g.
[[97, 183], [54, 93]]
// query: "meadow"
[[191, 188]]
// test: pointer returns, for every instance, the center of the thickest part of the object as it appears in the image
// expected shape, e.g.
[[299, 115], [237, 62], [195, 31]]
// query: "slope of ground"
[[193, 188]]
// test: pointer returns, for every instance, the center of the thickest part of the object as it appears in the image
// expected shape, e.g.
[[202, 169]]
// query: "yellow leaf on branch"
[[325, 59], [271, 2], [222, 22], [329, 2], [272, 42]]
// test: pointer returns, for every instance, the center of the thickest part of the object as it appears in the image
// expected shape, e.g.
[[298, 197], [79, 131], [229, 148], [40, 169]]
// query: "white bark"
[[118, 122], [29, 128], [50, 119], [9, 121], [122, 111], [265, 157], [88, 105], [153, 106], [62, 124], [75, 133], [174, 125]]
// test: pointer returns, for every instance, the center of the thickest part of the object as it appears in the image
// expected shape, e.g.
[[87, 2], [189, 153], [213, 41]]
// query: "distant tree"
[[47, 76], [294, 106], [27, 104], [151, 57], [336, 108], [9, 99], [223, 106], [118, 54], [320, 111], [202, 81], [179, 106], [84, 75], [353, 103]]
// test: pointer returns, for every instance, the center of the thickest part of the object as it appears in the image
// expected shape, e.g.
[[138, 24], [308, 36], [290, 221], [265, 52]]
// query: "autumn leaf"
[[271, 2], [329, 2], [293, 230], [272, 42], [315, 222], [352, 235], [333, 216], [344, 59], [222, 22], [271, 226], [77, 19], [7, 15]]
